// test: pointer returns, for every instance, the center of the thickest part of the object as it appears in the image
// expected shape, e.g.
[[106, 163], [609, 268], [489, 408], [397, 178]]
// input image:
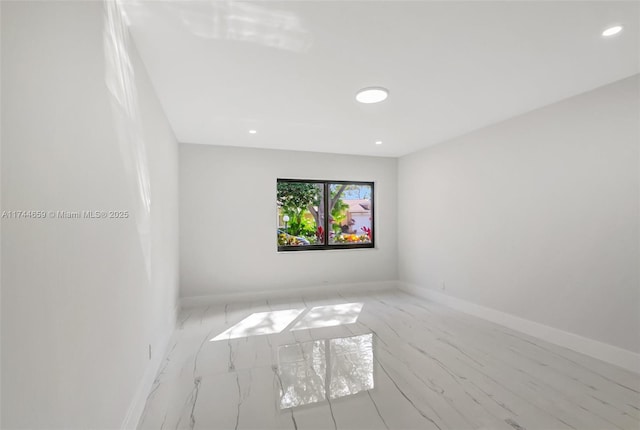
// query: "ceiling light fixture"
[[378, 142], [372, 95], [252, 132], [612, 31]]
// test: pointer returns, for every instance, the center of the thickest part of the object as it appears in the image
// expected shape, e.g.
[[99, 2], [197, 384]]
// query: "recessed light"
[[372, 95], [378, 142], [252, 132], [612, 31]]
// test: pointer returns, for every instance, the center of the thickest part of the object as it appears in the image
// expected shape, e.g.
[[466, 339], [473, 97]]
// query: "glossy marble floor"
[[384, 360]]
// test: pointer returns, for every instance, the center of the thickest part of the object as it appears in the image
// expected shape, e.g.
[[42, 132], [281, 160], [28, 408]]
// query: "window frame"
[[326, 197]]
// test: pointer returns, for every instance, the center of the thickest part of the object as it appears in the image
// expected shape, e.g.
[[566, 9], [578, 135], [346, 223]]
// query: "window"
[[315, 215]]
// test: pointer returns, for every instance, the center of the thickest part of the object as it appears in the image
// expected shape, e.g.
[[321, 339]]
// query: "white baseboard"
[[136, 408], [608, 353], [224, 298]]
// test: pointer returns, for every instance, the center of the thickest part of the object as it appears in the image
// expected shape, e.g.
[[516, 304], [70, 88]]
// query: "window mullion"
[[326, 214]]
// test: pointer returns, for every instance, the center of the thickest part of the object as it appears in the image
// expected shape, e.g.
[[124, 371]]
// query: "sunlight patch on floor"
[[330, 316], [260, 323]]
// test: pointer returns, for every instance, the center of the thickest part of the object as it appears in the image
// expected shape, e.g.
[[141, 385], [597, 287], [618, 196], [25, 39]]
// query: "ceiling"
[[290, 70]]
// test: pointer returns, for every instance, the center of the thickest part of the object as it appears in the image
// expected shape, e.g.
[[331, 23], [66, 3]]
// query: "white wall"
[[228, 221], [537, 216], [81, 299]]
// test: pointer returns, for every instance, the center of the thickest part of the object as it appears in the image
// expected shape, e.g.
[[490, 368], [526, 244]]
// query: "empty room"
[[316, 214]]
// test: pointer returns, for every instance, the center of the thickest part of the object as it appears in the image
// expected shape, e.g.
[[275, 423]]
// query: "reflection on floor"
[[391, 362], [331, 368]]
